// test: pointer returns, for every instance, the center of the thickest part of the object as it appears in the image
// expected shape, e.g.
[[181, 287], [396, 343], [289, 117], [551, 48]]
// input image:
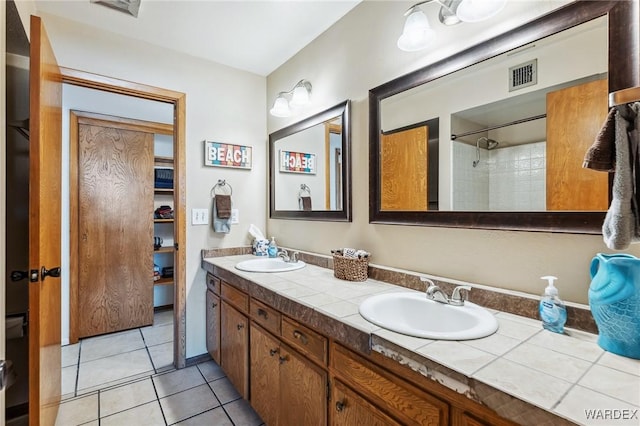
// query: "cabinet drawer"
[[213, 284], [402, 400], [306, 340], [235, 297], [265, 316]]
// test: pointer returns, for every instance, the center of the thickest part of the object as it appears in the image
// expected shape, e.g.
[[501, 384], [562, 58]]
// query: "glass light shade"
[[479, 10], [417, 32], [300, 95], [280, 107]]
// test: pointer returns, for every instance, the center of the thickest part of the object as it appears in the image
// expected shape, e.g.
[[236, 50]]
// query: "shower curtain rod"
[[522, 120]]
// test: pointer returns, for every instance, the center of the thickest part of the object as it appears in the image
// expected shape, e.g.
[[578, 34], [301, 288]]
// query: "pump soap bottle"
[[552, 310], [272, 250]]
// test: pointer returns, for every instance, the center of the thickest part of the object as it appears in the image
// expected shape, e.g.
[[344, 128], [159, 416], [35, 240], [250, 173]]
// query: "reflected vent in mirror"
[[523, 75]]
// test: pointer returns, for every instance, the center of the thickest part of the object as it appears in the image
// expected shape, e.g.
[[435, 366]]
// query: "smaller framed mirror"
[[310, 168]]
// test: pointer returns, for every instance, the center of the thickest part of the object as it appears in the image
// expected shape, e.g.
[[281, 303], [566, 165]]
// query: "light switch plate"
[[235, 216], [199, 216]]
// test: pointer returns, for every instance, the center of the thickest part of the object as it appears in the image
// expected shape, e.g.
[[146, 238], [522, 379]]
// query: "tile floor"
[[127, 378]]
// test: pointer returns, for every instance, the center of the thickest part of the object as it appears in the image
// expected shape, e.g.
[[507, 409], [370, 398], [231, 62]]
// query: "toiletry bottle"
[[272, 250], [552, 310]]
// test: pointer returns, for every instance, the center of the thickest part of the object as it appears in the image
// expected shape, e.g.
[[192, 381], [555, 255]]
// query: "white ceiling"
[[256, 36]]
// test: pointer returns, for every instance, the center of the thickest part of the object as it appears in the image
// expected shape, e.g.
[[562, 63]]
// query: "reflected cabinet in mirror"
[[494, 137], [309, 167]]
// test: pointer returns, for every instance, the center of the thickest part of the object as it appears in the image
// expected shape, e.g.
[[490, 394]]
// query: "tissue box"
[[259, 247]]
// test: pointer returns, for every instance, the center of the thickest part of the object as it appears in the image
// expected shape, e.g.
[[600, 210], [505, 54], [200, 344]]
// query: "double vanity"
[[297, 347]]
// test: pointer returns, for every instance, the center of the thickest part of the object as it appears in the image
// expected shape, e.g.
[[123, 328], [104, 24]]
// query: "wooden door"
[[265, 375], [234, 347], [213, 326], [351, 409], [45, 147], [303, 394], [404, 166], [115, 226], [574, 117]]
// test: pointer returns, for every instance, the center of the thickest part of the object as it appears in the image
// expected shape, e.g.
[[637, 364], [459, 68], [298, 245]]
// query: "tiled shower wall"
[[511, 178]]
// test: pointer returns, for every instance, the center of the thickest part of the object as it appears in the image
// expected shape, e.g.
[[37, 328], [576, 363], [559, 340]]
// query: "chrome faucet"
[[458, 297], [436, 294], [283, 254]]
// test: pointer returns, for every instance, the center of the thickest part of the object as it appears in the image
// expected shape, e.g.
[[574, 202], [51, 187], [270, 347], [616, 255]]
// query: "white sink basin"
[[413, 314], [269, 265]]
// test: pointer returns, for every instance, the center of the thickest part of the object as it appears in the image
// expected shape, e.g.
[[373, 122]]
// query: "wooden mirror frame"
[[343, 110], [624, 66]]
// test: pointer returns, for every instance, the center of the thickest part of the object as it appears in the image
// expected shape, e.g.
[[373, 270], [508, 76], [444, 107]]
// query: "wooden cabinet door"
[[303, 394], [45, 146], [213, 325], [115, 227], [265, 375], [234, 347], [404, 153], [574, 117], [350, 409]]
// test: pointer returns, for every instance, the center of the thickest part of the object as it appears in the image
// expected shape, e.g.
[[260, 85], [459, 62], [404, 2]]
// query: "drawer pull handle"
[[272, 352], [240, 326], [282, 359], [340, 406], [263, 313], [300, 336]]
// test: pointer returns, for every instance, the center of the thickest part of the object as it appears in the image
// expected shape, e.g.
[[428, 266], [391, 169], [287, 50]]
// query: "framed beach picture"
[[219, 154], [297, 162]]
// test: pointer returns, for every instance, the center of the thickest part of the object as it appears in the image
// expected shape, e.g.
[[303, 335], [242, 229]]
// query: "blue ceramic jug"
[[614, 298]]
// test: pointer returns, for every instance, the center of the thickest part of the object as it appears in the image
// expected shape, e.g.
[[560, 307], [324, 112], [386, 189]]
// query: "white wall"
[[359, 53], [310, 141], [223, 104]]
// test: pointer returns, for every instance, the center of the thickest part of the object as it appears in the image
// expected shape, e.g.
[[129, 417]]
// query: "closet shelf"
[[163, 220], [163, 161], [163, 190], [168, 249], [163, 281]]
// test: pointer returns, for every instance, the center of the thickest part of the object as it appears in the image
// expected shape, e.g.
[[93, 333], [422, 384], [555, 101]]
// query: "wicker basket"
[[350, 269]]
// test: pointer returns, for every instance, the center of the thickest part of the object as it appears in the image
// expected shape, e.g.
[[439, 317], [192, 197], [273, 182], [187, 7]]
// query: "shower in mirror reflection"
[[490, 144]]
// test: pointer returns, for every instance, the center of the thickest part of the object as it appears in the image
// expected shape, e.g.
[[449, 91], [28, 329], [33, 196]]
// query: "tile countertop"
[[568, 375]]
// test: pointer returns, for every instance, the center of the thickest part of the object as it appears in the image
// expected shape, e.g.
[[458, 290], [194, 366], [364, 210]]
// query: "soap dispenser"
[[552, 310], [272, 250]]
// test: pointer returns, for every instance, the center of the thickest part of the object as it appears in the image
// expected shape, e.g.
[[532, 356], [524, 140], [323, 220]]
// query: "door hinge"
[[176, 246]]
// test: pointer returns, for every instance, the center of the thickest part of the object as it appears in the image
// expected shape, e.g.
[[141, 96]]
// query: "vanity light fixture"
[[296, 97], [417, 33]]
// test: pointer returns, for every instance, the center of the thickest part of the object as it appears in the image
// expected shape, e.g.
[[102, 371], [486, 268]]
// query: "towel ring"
[[221, 184], [304, 189]]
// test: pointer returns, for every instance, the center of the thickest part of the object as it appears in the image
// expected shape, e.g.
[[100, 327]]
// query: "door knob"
[[21, 275], [53, 272]]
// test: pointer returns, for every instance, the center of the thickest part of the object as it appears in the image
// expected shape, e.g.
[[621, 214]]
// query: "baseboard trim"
[[197, 359]]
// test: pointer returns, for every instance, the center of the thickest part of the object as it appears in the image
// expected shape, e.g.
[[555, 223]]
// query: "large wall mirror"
[[512, 119], [309, 167]]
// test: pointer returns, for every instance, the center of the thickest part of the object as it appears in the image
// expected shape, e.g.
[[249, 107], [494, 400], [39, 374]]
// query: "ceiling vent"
[[523, 75]]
